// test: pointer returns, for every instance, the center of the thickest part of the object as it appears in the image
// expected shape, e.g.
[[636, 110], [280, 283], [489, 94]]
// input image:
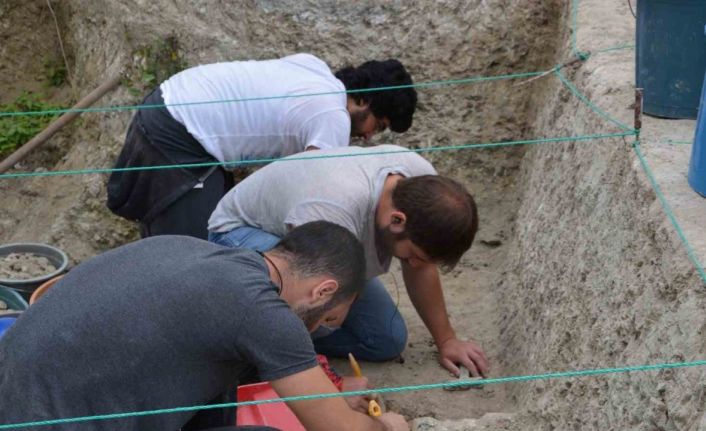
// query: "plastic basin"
[[26, 286], [13, 299], [42, 289], [276, 415]]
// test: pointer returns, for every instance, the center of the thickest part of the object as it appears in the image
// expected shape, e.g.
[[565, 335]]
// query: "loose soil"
[[23, 266]]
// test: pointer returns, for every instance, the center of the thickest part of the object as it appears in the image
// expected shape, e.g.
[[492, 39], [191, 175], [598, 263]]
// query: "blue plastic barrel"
[[697, 165], [6, 320], [671, 56]]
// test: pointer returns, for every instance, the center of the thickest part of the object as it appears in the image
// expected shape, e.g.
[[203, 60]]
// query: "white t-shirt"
[[259, 129], [342, 190]]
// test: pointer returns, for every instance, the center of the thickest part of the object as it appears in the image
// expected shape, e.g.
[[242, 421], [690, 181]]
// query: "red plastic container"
[[276, 415]]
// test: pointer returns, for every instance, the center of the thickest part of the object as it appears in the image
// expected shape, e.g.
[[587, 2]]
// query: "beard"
[[385, 241], [312, 315], [357, 120]]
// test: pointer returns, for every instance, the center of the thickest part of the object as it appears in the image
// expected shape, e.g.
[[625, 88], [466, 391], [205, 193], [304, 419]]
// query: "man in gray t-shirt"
[[396, 205], [173, 321]]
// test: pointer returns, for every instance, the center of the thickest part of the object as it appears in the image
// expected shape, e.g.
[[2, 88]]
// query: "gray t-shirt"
[[342, 190], [168, 321]]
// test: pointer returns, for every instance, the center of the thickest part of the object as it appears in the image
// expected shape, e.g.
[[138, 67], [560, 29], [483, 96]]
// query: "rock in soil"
[[23, 266]]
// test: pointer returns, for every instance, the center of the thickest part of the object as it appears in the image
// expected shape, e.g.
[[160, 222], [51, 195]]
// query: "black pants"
[[224, 419], [189, 214]]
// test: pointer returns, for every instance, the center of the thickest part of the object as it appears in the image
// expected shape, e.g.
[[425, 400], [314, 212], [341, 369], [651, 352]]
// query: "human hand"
[[358, 403], [393, 422], [467, 353]]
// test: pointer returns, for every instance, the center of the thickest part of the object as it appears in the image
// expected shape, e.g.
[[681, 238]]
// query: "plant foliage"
[[17, 130]]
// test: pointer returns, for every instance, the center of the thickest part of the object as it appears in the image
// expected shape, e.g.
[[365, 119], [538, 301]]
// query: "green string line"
[[580, 54], [312, 157], [511, 379], [669, 141], [429, 84], [636, 145], [571, 87], [574, 28], [668, 210], [287, 96], [569, 374], [615, 48], [119, 108], [584, 55]]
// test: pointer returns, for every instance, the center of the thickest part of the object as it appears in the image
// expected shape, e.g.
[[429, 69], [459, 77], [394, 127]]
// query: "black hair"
[[396, 105], [324, 248]]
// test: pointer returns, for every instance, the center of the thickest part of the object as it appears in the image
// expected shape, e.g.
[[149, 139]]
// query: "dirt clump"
[[23, 266]]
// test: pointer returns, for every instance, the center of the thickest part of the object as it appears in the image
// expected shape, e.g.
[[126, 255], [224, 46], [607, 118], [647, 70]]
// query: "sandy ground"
[[669, 162], [471, 301]]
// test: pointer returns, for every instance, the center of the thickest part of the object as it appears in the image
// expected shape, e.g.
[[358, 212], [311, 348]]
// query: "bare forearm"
[[346, 420], [320, 414], [424, 289], [352, 422]]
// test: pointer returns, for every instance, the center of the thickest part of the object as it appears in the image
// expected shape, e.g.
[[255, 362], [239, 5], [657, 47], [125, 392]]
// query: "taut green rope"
[[575, 51], [669, 141], [313, 157], [615, 48], [668, 210], [286, 96], [569, 85], [574, 28], [511, 379]]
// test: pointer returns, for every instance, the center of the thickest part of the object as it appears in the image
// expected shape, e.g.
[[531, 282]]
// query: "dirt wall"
[[436, 40], [597, 276]]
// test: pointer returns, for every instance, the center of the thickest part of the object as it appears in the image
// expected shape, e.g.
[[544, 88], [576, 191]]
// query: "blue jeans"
[[374, 329]]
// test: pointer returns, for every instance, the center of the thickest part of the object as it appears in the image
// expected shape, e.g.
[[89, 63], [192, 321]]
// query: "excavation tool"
[[373, 407], [464, 376]]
